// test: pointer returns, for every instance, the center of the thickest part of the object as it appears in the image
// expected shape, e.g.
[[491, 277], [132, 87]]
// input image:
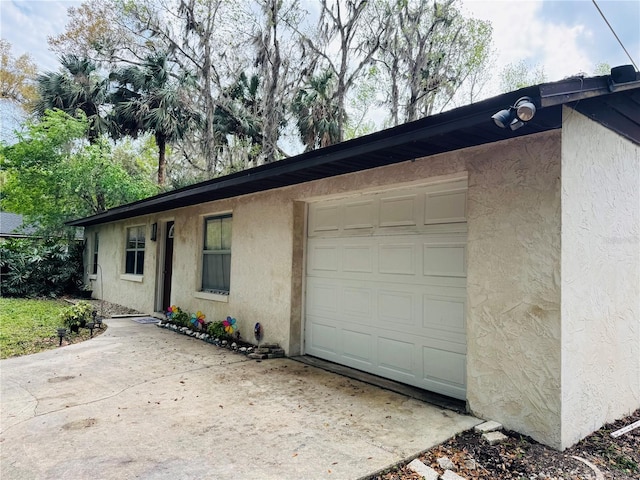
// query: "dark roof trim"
[[463, 127]]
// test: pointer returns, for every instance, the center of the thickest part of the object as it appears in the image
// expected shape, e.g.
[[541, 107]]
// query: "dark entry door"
[[168, 266]]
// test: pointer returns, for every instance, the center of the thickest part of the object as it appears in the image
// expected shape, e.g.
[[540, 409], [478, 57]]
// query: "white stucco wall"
[[513, 286], [600, 276], [110, 282]]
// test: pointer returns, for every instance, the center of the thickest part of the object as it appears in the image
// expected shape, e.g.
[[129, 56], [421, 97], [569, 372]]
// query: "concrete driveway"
[[144, 402]]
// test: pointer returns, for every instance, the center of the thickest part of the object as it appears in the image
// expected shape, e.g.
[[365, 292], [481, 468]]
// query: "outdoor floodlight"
[[525, 109], [516, 116], [502, 118]]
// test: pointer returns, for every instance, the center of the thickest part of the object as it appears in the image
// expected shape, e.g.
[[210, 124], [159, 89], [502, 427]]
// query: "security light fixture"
[[525, 109], [516, 116]]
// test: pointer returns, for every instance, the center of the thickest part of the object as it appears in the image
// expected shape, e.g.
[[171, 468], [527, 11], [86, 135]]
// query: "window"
[[134, 262], [94, 265], [216, 255]]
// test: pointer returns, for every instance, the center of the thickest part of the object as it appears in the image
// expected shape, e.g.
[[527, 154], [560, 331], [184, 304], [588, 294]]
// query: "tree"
[[95, 30], [78, 86], [51, 175], [280, 66], [16, 76], [602, 68], [519, 75], [147, 100], [349, 28], [317, 112], [428, 54]]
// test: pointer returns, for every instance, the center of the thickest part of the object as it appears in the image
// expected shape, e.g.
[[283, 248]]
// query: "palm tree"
[[317, 112], [149, 99], [78, 86], [238, 111]]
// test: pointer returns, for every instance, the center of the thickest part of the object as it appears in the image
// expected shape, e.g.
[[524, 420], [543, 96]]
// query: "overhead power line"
[[615, 34]]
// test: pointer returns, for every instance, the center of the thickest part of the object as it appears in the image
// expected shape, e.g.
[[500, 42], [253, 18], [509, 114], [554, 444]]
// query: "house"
[[11, 226], [494, 265]]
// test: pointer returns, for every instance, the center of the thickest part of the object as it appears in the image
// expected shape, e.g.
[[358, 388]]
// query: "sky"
[[565, 37]]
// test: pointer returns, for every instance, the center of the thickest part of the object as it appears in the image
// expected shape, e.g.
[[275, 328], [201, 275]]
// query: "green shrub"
[[216, 330], [40, 268], [178, 316], [78, 314]]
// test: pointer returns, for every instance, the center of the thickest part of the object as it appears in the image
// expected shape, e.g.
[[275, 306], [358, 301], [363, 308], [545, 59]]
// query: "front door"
[[167, 267]]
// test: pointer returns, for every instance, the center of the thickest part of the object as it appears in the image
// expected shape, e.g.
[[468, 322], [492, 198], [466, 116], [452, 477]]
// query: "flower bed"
[[224, 334]]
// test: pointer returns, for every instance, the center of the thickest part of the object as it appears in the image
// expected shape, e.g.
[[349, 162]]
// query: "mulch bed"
[[522, 458]]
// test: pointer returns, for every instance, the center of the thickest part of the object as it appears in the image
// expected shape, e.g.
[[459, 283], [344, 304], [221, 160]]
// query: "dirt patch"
[[105, 309], [522, 458], [80, 424], [60, 379]]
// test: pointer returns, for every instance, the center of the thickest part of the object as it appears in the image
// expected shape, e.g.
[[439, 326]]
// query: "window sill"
[[216, 297], [129, 277]]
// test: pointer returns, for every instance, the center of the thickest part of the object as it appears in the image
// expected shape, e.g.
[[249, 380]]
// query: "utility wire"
[[615, 34]]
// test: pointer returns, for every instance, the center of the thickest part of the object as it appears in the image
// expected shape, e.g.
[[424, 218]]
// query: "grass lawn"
[[29, 326]]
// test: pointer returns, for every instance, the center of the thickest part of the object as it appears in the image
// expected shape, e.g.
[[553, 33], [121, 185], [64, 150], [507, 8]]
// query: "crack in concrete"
[[107, 397]]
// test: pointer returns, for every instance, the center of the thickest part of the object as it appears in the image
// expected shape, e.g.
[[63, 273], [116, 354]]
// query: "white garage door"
[[386, 285]]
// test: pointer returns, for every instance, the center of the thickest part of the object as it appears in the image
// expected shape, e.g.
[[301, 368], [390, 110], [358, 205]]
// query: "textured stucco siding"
[[110, 282], [513, 286], [600, 276]]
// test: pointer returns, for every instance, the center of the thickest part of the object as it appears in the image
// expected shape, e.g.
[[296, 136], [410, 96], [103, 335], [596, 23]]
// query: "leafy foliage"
[[34, 268], [317, 112], [16, 76], [216, 329], [52, 176], [146, 100], [520, 75], [78, 314], [78, 86]]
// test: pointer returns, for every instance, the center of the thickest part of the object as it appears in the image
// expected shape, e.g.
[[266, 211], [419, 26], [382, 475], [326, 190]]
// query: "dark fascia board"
[[578, 88]]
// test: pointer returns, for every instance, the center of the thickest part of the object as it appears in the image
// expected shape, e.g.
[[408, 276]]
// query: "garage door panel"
[[445, 259], [396, 308], [358, 258], [444, 366], [359, 215], [397, 211], [396, 357], [397, 258], [323, 338], [322, 298], [357, 301], [445, 207], [360, 346], [324, 258], [444, 313], [325, 218]]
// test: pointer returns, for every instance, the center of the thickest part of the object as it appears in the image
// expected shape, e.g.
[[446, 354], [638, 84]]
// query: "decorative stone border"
[[260, 352]]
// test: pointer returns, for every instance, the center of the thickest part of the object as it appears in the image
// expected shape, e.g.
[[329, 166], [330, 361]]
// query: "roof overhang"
[[456, 129]]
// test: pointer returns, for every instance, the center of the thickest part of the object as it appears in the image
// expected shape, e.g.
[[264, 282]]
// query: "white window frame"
[[210, 294], [135, 249]]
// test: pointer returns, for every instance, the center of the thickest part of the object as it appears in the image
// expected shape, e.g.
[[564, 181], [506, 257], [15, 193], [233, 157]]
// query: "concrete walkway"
[[144, 402]]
